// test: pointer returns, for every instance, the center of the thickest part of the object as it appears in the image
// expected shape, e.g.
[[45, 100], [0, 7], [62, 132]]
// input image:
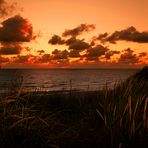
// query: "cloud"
[[10, 49], [72, 43], [143, 54], [45, 58], [102, 36], [94, 53], [59, 63], [58, 54], [129, 34], [128, 57], [28, 49], [57, 58], [74, 54], [16, 29], [6, 8], [110, 53], [3, 60], [21, 59], [77, 44], [78, 30], [56, 40], [41, 52]]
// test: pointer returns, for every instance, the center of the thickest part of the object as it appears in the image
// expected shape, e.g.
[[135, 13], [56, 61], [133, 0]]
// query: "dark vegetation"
[[116, 118]]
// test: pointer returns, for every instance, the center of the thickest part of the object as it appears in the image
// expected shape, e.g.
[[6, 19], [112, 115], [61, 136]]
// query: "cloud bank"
[[130, 34], [79, 51]]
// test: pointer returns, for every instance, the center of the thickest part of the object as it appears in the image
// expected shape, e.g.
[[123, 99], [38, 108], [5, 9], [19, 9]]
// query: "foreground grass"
[[106, 118]]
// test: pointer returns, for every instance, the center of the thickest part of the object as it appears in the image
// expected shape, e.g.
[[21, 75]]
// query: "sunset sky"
[[73, 34]]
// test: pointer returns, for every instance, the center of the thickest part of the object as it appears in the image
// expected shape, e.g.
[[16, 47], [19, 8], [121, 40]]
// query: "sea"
[[49, 80]]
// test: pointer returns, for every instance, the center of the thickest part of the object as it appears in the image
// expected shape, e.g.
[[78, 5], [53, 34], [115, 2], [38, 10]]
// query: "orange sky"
[[50, 17]]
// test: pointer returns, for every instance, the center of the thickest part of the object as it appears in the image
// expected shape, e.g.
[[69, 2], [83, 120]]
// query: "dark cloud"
[[128, 57], [41, 52], [78, 30], [57, 58], [16, 29], [77, 44], [58, 54], [92, 43], [110, 53], [95, 52], [129, 34], [7, 8], [102, 36], [10, 49], [21, 59], [74, 54], [45, 58], [143, 54], [56, 40], [72, 43], [28, 49]]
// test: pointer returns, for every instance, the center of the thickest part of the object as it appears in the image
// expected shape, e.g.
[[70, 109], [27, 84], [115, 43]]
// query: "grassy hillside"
[[115, 118]]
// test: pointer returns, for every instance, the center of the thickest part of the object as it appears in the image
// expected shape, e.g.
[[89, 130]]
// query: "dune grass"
[[116, 118]]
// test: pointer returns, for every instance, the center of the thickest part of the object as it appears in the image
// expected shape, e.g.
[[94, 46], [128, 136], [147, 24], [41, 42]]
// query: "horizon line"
[[71, 68]]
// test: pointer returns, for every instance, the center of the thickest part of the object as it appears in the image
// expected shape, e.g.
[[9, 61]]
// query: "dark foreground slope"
[[108, 118]]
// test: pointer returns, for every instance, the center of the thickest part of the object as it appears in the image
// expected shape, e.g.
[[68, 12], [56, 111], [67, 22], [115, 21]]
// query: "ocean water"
[[46, 80]]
